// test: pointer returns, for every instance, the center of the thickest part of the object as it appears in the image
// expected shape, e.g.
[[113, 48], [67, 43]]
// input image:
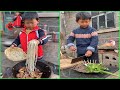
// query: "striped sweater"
[[86, 39]]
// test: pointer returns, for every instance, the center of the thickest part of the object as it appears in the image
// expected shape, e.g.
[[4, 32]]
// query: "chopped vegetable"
[[97, 68]]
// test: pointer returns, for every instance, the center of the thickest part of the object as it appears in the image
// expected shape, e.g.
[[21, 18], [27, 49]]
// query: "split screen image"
[[59, 44]]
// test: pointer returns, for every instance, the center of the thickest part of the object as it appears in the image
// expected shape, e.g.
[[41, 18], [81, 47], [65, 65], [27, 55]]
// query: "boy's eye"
[[84, 22]]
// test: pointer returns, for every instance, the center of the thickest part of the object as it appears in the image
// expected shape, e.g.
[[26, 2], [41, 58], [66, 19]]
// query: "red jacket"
[[17, 22], [24, 38]]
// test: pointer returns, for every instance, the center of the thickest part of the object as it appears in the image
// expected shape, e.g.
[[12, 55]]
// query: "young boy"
[[86, 38], [29, 32]]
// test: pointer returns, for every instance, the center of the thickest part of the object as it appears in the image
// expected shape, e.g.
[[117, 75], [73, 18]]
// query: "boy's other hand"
[[37, 41], [88, 53], [72, 48], [12, 46]]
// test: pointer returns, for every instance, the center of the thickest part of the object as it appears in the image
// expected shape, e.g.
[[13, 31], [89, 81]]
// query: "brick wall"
[[52, 23], [104, 37]]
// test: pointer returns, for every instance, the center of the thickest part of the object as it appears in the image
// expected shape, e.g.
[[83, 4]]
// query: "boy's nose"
[[84, 23], [30, 25]]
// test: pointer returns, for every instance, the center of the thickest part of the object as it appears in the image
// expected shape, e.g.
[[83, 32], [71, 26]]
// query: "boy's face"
[[30, 24], [84, 23], [17, 13]]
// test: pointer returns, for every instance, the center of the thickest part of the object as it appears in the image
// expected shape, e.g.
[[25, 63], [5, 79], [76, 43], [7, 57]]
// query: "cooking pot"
[[43, 67]]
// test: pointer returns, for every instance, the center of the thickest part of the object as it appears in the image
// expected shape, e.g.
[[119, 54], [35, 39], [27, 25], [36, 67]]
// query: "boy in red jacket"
[[29, 32]]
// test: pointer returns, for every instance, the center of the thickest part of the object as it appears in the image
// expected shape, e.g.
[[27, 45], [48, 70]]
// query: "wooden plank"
[[66, 63], [108, 30], [107, 48]]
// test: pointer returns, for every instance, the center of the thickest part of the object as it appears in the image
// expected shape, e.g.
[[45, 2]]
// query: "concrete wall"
[[70, 21], [51, 48]]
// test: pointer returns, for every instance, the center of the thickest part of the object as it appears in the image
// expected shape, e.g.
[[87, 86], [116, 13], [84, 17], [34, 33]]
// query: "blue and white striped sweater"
[[86, 39]]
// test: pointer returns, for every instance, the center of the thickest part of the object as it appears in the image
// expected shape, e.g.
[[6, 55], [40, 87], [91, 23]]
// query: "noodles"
[[32, 54], [30, 71]]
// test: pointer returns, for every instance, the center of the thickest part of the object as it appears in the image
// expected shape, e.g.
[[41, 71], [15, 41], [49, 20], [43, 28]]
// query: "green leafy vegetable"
[[97, 68]]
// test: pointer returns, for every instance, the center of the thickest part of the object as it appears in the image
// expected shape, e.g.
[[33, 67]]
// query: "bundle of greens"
[[97, 68]]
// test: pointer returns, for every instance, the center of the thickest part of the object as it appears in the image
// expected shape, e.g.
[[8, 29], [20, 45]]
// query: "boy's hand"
[[88, 53], [12, 46], [72, 48], [37, 41]]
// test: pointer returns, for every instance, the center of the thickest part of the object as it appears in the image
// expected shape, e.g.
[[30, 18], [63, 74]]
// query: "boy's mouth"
[[30, 28], [84, 27]]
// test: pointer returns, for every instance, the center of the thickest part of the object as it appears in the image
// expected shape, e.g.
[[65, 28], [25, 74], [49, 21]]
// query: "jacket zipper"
[[27, 37], [27, 41]]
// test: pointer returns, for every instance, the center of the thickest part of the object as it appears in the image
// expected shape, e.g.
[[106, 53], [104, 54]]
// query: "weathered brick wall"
[[104, 37], [50, 22]]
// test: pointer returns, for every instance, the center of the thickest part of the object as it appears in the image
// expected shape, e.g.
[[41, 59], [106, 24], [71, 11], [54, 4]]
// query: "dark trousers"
[[94, 56]]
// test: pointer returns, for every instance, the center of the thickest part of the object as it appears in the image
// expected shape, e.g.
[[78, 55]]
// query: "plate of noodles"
[[15, 54]]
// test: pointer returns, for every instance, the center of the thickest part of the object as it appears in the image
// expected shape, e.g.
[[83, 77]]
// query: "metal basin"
[[43, 67]]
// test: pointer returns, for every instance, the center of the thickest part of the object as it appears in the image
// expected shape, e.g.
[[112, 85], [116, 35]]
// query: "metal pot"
[[43, 67]]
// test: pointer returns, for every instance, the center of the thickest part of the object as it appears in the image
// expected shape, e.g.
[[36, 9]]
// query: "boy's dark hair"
[[83, 16], [30, 15]]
